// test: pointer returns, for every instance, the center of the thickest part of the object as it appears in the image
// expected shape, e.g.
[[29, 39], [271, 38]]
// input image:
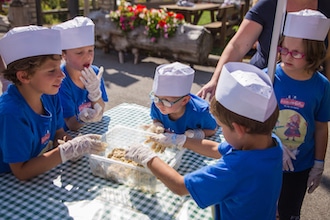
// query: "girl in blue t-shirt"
[[303, 95]]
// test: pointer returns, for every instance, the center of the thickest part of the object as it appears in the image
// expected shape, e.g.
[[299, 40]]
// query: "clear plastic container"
[[125, 173]]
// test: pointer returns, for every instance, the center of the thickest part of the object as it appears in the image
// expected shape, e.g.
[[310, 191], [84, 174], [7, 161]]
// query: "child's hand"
[[81, 145], [92, 82], [140, 154], [287, 159], [91, 114], [168, 140], [315, 176], [155, 127]]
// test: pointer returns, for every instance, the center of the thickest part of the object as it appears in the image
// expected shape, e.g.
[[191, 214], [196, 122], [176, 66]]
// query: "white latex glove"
[[315, 176], [81, 145], [91, 114], [140, 154], [288, 156], [92, 82], [168, 140], [195, 133], [155, 127]]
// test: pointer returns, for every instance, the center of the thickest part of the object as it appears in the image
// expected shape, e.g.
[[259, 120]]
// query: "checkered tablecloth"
[[70, 191]]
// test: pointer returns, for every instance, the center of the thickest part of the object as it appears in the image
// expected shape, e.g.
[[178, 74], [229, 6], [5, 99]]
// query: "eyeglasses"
[[285, 51], [164, 102]]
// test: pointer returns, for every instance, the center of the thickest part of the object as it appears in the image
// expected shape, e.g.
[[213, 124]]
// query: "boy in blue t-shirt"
[[174, 108], [82, 93], [245, 182], [31, 119]]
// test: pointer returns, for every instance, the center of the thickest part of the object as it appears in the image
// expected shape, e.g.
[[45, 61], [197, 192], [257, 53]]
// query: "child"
[[174, 108], [30, 112], [245, 183], [303, 95], [82, 92]]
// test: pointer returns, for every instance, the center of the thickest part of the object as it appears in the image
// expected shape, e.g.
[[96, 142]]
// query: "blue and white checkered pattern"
[[70, 191]]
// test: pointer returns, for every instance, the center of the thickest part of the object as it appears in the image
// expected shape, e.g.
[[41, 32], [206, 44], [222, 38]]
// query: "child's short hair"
[[29, 64], [314, 51], [227, 117]]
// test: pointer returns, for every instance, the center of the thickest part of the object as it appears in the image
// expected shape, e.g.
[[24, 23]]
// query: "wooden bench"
[[225, 19]]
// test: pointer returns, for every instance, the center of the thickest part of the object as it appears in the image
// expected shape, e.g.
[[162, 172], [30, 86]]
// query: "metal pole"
[[39, 13], [277, 30]]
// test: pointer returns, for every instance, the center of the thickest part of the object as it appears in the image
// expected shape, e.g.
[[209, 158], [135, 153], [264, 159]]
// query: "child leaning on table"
[[245, 182], [303, 95], [174, 108], [82, 92], [31, 119]]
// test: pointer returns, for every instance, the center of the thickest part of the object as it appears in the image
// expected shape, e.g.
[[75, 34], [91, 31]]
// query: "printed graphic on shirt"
[[291, 128], [47, 148]]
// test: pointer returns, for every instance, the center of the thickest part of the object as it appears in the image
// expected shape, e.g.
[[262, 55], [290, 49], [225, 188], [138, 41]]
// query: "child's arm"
[[72, 149], [204, 147], [170, 177], [73, 124], [321, 143], [37, 165], [321, 139], [209, 132]]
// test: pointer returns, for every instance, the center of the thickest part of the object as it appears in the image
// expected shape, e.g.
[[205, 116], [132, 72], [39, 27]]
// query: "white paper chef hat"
[[77, 32], [246, 90], [173, 79], [28, 41], [307, 24]]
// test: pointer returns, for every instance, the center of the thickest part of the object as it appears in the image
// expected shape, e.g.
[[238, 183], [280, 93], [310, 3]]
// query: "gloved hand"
[[155, 127], [287, 159], [81, 145], [315, 176], [140, 154], [195, 133], [92, 82], [91, 114], [165, 140]]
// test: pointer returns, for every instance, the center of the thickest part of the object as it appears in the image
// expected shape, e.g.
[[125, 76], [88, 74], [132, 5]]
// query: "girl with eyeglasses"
[[303, 95]]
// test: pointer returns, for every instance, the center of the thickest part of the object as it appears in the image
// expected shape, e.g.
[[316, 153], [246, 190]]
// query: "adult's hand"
[[208, 88]]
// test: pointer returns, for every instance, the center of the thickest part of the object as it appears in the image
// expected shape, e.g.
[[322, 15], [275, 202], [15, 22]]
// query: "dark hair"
[[29, 64], [315, 52], [227, 117]]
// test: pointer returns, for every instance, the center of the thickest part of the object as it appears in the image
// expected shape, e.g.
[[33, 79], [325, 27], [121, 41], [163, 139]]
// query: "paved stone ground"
[[132, 83]]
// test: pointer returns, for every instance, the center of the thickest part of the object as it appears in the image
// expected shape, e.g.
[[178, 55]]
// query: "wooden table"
[[194, 13]]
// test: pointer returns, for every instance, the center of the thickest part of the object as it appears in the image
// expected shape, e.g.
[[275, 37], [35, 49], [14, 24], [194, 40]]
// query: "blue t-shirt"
[[301, 104], [197, 116], [243, 184], [23, 133], [73, 98], [263, 13]]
